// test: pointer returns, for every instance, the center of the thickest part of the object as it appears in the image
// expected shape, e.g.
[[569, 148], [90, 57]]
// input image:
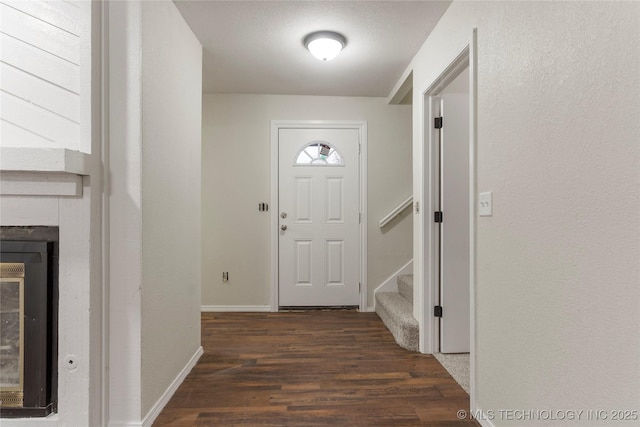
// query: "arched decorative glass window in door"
[[318, 153]]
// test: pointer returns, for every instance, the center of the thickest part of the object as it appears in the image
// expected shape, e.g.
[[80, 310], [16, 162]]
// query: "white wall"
[[44, 95], [154, 214], [557, 309], [123, 150], [236, 174], [171, 211]]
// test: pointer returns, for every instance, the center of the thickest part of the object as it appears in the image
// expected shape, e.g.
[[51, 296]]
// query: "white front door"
[[318, 201], [454, 229]]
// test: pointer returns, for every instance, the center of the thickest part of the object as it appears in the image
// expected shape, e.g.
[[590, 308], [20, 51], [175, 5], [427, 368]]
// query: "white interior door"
[[318, 200], [454, 237]]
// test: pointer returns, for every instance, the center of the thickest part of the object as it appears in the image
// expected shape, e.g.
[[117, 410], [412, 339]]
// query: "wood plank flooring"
[[314, 368]]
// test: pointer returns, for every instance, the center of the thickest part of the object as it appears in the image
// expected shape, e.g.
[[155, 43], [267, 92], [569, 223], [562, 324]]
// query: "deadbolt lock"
[[283, 215]]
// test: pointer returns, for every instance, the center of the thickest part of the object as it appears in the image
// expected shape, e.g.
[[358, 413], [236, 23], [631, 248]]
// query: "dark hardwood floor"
[[315, 368]]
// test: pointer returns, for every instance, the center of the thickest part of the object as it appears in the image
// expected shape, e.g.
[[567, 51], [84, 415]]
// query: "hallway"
[[313, 368]]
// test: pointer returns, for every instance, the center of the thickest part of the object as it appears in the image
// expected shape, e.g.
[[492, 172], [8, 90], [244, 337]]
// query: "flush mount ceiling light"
[[325, 45]]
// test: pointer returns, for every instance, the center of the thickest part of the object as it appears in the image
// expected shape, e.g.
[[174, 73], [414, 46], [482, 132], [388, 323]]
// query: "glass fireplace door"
[[11, 334], [28, 325]]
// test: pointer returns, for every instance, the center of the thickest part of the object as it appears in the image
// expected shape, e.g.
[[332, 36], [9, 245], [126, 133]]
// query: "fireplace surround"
[[28, 321]]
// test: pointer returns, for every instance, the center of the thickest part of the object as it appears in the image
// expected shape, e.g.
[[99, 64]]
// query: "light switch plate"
[[486, 204]]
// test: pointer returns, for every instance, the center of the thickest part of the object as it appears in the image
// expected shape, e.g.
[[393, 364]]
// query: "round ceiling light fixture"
[[325, 45]]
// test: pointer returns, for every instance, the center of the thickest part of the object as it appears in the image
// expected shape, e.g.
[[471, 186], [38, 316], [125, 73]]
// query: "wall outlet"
[[486, 204], [225, 276]]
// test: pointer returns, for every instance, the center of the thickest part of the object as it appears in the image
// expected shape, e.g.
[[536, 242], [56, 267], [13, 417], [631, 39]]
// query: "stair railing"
[[397, 211]]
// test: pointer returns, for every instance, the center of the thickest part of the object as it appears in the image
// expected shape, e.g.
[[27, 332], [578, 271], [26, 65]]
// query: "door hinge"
[[437, 216], [359, 218], [437, 122], [437, 311], [359, 287], [417, 207], [359, 148]]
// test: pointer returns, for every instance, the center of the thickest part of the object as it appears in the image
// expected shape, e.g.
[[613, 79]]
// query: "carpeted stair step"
[[405, 286], [396, 313]]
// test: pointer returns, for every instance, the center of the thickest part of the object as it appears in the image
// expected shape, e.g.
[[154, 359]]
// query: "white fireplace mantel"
[[28, 159], [42, 171]]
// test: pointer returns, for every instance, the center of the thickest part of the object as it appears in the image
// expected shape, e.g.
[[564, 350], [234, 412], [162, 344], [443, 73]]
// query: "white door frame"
[[430, 334], [361, 126]]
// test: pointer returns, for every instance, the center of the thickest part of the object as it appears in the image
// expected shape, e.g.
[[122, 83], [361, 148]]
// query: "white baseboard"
[[391, 284], [153, 413], [483, 418], [235, 308], [48, 421]]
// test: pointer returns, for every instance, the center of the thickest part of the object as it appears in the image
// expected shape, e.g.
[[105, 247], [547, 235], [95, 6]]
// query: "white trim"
[[473, 203], [395, 212], [484, 420], [40, 184], [89, 88], [234, 308], [49, 421], [467, 57], [364, 289], [429, 336], [29, 159], [361, 126], [273, 229], [155, 410], [391, 284], [124, 424], [402, 88], [106, 190]]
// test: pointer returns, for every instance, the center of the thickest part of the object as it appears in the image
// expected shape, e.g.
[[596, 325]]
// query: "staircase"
[[396, 311]]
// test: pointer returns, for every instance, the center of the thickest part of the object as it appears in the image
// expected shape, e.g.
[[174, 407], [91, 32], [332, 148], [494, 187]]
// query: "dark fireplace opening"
[[28, 321]]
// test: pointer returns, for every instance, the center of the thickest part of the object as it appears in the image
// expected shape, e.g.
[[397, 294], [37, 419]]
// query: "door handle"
[[283, 227]]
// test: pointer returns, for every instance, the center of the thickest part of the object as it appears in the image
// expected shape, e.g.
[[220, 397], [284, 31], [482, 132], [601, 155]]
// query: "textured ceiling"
[[256, 46]]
